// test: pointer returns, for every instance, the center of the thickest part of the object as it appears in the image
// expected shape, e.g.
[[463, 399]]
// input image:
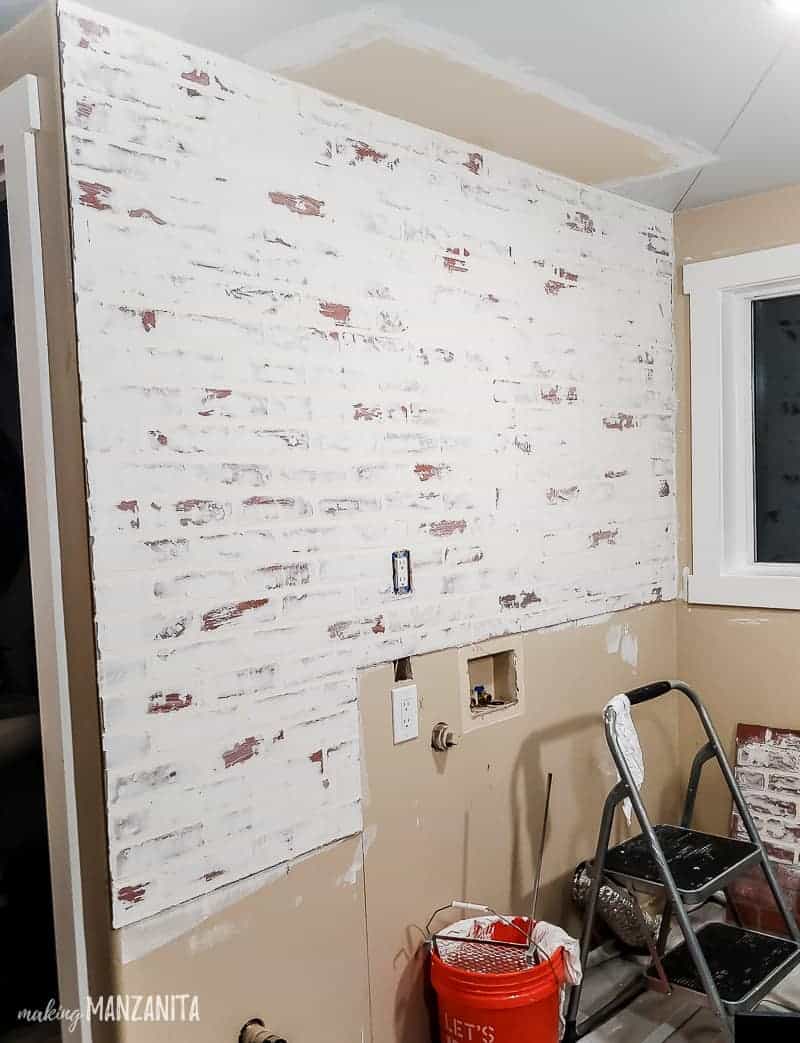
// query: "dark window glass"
[[776, 384]]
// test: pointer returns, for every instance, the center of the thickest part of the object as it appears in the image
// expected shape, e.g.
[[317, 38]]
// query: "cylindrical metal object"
[[255, 1031], [443, 737], [617, 908]]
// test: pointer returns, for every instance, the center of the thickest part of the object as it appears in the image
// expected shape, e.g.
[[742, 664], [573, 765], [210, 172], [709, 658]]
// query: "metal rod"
[[542, 840]]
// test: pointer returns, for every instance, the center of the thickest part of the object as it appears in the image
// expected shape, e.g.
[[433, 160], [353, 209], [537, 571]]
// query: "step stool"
[[724, 965]]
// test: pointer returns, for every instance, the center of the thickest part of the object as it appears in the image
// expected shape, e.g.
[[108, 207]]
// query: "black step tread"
[[695, 859], [740, 961]]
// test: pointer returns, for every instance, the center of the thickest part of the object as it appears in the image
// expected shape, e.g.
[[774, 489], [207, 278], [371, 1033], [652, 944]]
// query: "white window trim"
[[724, 570]]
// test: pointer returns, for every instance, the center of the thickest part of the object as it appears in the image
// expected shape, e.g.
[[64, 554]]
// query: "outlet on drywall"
[[405, 713], [401, 571]]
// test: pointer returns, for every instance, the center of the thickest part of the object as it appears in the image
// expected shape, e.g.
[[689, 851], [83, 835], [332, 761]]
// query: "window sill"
[[746, 590]]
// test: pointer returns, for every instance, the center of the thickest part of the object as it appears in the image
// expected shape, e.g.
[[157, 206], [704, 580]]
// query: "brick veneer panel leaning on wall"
[[310, 334], [768, 770]]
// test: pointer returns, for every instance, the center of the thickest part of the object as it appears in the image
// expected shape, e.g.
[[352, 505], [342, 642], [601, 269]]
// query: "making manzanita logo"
[[181, 1006]]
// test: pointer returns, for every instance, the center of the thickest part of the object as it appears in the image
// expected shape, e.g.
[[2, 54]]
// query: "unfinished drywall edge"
[[295, 52], [597, 262]]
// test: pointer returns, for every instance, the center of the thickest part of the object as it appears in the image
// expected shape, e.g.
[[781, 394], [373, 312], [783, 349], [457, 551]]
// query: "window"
[[776, 427], [745, 349]]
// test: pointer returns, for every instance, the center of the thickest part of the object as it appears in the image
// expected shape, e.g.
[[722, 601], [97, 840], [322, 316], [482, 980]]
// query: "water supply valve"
[[255, 1031], [443, 738]]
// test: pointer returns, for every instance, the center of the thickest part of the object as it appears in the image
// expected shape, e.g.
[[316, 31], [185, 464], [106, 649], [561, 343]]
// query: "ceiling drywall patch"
[[376, 57]]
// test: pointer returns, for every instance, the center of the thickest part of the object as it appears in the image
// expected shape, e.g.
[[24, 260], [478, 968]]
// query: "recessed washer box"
[[497, 666]]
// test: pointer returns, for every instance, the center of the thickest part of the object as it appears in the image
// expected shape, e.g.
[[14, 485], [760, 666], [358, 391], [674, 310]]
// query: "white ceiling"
[[723, 75]]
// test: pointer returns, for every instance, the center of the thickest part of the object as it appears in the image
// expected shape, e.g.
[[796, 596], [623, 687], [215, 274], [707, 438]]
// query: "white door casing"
[[19, 121]]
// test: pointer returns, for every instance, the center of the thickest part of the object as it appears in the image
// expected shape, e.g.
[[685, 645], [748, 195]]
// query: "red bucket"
[[488, 993]]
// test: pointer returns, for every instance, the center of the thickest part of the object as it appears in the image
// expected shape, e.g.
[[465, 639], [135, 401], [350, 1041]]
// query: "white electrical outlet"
[[405, 713], [401, 571]]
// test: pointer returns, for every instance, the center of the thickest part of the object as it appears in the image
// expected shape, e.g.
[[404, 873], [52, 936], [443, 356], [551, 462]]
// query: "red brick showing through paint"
[[446, 527], [148, 214], [130, 507], [768, 772], [317, 757], [425, 472], [474, 162], [306, 206], [168, 702], [196, 76], [340, 313], [132, 893], [148, 320], [241, 751], [364, 151], [94, 194], [455, 259], [563, 281], [227, 613]]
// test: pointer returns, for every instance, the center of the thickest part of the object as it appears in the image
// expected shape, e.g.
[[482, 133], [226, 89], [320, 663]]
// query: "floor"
[[653, 1018]]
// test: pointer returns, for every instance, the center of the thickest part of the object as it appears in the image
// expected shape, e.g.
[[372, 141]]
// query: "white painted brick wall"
[[310, 334]]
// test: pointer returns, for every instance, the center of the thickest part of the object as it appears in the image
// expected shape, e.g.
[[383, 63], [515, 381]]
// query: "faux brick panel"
[[770, 796], [309, 335]]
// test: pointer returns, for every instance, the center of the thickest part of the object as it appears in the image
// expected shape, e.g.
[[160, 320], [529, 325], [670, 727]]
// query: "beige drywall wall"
[[744, 662], [292, 952], [32, 47], [437, 826]]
